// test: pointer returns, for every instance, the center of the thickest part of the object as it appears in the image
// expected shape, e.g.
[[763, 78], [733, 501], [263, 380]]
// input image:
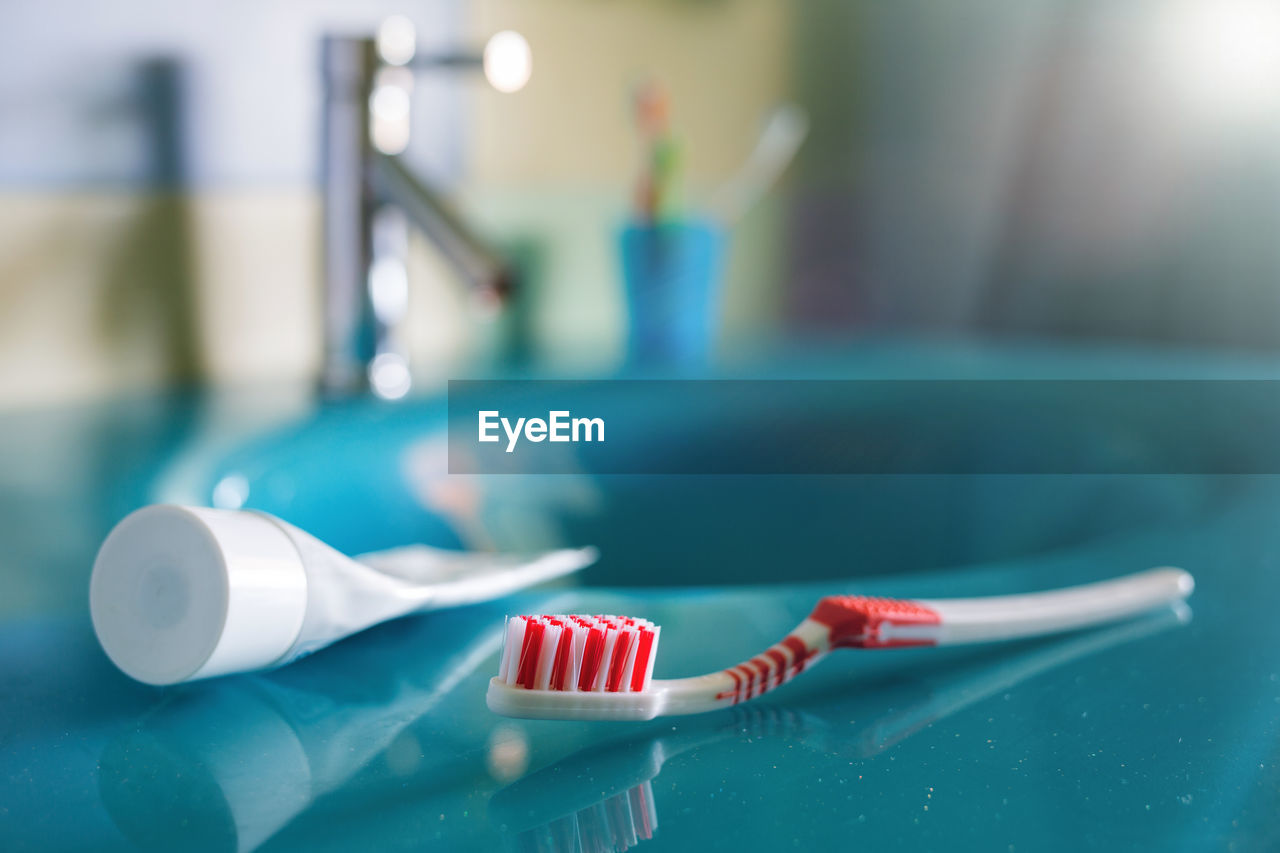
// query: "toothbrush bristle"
[[610, 654]]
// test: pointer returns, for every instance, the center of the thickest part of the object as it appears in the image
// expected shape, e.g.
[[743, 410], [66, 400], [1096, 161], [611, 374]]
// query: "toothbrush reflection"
[[600, 800], [892, 728], [611, 825]]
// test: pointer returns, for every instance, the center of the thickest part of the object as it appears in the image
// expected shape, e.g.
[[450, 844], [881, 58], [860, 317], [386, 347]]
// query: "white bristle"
[[505, 660], [515, 637], [575, 659], [610, 640], [547, 659], [628, 667]]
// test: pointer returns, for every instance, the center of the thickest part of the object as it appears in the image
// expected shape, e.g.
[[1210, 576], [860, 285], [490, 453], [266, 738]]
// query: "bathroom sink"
[[365, 475], [1156, 734]]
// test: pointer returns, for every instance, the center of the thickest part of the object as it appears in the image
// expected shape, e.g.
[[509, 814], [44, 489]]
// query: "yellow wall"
[[111, 291], [723, 60]]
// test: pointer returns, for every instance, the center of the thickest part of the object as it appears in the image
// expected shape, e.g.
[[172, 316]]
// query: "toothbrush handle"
[[857, 621], [1008, 617], [867, 622]]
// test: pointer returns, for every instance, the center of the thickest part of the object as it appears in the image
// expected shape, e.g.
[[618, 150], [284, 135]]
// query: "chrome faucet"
[[370, 199]]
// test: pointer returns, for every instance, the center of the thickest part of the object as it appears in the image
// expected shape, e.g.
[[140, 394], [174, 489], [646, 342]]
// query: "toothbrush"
[[605, 790], [783, 131], [601, 667], [656, 192]]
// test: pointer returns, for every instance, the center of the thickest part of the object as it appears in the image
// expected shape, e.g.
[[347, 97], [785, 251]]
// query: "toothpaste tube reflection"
[[227, 765]]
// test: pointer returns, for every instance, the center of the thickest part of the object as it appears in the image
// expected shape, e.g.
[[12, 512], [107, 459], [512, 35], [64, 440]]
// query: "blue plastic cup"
[[671, 272]]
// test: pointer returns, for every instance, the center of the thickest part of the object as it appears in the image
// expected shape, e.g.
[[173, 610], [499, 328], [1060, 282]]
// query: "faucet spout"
[[480, 266], [370, 198]]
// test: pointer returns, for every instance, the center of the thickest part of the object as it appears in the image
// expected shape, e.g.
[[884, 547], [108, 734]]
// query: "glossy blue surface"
[[1160, 734]]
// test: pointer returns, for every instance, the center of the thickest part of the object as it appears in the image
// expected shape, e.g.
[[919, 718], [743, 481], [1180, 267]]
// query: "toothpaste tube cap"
[[182, 593]]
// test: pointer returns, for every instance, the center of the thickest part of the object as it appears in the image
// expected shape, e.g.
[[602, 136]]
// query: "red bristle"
[[642, 660], [613, 682], [593, 651], [529, 653], [563, 650]]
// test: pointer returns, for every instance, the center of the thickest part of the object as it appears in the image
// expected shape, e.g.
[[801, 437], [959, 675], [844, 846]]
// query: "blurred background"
[[1083, 170], [231, 231]]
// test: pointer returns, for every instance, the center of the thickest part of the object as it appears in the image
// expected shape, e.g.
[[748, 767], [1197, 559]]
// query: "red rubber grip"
[[856, 620]]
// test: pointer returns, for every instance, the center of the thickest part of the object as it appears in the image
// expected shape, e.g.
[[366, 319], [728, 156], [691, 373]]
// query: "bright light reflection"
[[397, 40], [390, 103], [389, 376], [389, 289], [1223, 55], [231, 492], [508, 61], [508, 755], [389, 128]]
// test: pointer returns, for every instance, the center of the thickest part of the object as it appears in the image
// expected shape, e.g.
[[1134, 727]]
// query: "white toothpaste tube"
[[183, 593]]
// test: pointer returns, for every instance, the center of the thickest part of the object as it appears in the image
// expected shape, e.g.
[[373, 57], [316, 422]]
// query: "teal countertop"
[[1161, 734]]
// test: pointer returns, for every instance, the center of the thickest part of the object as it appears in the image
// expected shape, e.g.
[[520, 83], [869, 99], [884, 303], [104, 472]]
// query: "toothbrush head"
[[611, 654], [576, 667]]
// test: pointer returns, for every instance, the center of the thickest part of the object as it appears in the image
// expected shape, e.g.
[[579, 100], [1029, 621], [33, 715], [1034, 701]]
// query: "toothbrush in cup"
[[601, 667]]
